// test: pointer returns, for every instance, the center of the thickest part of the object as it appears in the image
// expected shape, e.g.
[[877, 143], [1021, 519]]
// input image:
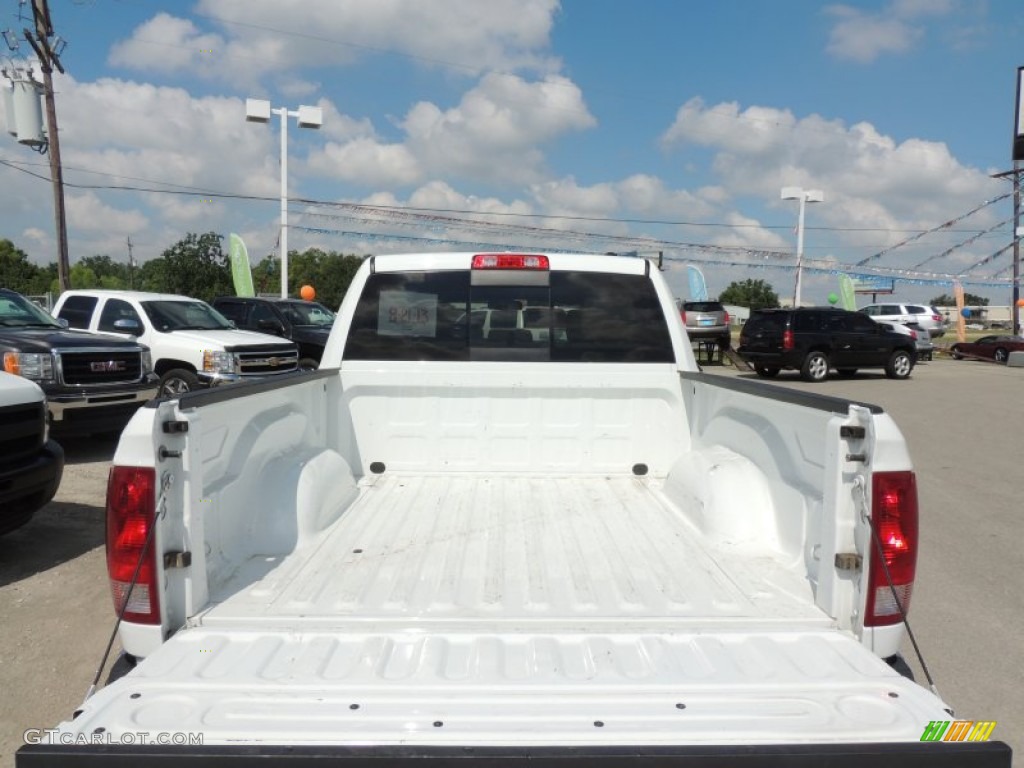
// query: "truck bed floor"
[[530, 551]]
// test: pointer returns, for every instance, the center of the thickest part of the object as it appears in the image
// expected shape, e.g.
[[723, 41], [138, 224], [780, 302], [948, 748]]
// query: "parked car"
[[928, 318], [193, 344], [922, 339], [814, 340], [31, 464], [706, 321], [997, 348], [307, 323], [92, 382], [507, 325]]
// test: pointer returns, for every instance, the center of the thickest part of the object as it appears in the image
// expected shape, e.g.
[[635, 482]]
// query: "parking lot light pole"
[[804, 196], [259, 111]]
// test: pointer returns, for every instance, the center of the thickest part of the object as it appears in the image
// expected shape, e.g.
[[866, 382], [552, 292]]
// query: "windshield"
[[187, 315], [18, 312], [306, 313]]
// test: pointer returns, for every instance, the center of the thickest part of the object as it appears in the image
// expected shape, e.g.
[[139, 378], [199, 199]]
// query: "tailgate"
[[696, 694]]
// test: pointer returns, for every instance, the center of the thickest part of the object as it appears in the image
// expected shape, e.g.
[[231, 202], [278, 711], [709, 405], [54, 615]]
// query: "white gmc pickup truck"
[[474, 544]]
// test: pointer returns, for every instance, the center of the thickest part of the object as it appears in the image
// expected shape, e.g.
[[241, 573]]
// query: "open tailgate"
[[367, 696]]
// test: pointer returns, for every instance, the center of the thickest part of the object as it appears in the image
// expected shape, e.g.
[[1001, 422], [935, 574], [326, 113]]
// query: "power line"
[[434, 216], [944, 225], [204, 192]]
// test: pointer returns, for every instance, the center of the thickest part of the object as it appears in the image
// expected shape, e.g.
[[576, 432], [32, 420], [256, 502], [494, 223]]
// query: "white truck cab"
[[192, 344]]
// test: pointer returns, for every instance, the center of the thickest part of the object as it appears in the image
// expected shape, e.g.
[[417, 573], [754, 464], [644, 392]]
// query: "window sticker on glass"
[[407, 313]]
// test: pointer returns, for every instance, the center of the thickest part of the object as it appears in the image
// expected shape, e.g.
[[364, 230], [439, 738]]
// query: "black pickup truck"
[[93, 383], [307, 323], [31, 464]]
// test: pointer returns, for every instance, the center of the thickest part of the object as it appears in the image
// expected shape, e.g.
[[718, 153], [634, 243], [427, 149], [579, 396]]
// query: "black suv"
[[307, 323], [93, 382], [814, 340]]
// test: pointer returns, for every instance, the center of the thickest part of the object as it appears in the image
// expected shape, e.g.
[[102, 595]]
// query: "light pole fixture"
[[259, 111], [804, 196]]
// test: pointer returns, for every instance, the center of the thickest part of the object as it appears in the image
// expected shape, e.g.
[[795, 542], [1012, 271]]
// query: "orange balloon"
[[307, 293], [1020, 302]]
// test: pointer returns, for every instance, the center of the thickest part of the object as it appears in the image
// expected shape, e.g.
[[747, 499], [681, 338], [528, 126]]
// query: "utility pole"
[[1015, 310], [131, 265], [48, 59]]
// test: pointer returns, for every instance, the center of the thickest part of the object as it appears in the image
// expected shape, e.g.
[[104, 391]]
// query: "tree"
[[328, 272], [970, 299], [16, 271], [194, 266], [756, 294], [109, 273]]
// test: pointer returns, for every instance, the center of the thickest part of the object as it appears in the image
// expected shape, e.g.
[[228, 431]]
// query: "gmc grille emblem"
[[104, 366], [273, 362]]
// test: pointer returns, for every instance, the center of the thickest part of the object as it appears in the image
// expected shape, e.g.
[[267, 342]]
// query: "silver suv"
[[926, 318], [706, 321]]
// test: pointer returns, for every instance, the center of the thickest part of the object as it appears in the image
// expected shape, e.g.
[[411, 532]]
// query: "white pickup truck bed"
[[542, 552], [406, 622]]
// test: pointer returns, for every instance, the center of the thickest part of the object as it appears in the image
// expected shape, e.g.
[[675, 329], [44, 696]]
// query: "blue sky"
[[598, 125]]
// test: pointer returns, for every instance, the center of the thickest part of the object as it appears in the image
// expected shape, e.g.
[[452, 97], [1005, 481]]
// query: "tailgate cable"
[[161, 509], [880, 553]]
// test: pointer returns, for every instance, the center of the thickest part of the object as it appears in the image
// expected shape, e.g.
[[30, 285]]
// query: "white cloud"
[[366, 161], [494, 132], [89, 213], [863, 37], [168, 44], [493, 135], [268, 36], [870, 180]]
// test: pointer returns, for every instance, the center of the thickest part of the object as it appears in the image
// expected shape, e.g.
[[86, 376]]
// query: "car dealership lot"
[[963, 421]]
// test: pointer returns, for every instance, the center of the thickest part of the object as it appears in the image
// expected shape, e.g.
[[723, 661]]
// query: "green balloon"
[[832, 298]]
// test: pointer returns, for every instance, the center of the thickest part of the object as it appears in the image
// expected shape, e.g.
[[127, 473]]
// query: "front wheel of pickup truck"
[[899, 365], [177, 381], [815, 367]]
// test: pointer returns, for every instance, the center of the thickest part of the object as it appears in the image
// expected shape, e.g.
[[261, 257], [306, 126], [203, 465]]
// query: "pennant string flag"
[[944, 225]]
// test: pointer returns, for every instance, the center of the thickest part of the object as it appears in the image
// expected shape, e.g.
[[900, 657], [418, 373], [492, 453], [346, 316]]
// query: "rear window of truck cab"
[[549, 316]]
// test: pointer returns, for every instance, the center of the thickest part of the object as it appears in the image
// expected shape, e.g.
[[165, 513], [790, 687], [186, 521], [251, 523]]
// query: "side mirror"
[[63, 323], [271, 326], [126, 325]]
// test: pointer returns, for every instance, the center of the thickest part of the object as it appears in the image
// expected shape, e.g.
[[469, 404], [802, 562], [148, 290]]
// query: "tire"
[[956, 354], [900, 365], [177, 381], [815, 367], [766, 373], [847, 372], [1000, 355], [308, 364]]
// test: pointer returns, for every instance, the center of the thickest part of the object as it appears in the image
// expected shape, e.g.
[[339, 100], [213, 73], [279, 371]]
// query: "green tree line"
[[197, 266]]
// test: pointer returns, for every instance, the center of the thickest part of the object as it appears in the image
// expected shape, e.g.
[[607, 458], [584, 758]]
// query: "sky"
[[649, 126]]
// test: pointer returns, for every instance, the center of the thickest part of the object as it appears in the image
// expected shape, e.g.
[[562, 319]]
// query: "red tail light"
[[787, 340], [682, 314], [726, 318], [510, 261], [913, 334], [131, 512], [937, 318], [894, 512]]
